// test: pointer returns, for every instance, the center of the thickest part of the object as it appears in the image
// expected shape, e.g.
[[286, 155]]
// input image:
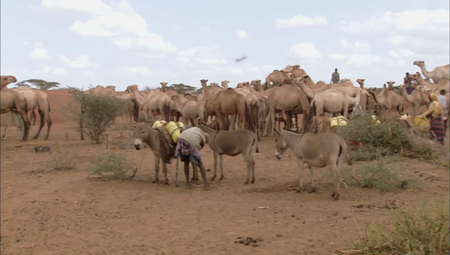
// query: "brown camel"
[[174, 114], [439, 72], [37, 99], [190, 110], [253, 105], [190, 97], [257, 85], [278, 78], [208, 100], [415, 98], [285, 98], [225, 83], [157, 103], [109, 90], [13, 101], [229, 102], [295, 70]]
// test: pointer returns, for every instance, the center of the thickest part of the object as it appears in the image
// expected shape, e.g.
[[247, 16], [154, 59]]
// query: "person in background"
[[189, 144], [335, 77], [434, 113], [443, 101], [408, 84]]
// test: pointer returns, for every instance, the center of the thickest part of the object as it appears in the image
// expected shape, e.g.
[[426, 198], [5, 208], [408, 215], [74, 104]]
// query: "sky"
[[94, 42]]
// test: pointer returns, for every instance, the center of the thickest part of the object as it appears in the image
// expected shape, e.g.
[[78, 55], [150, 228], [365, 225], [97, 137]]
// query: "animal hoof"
[[247, 182], [207, 188], [299, 190], [313, 190], [221, 177], [188, 187], [155, 181], [212, 179], [253, 181]]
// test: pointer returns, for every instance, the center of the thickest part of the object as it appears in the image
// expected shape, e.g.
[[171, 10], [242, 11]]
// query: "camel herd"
[[248, 111]]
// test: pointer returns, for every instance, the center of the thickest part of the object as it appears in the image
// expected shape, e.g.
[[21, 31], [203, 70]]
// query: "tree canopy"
[[39, 84]]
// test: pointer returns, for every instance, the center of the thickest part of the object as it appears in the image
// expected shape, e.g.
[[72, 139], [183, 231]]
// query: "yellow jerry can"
[[338, 121], [173, 130]]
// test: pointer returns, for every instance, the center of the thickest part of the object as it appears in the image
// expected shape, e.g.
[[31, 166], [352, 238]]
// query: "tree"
[[181, 88], [39, 84]]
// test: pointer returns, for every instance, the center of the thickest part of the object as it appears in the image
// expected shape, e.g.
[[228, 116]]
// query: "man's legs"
[[203, 172], [186, 172]]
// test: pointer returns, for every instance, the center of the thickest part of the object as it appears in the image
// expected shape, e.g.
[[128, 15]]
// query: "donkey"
[[232, 143], [157, 142], [315, 149]]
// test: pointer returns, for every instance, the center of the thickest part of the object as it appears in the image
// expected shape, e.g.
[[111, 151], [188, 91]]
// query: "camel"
[[295, 70], [208, 100], [232, 143], [190, 97], [174, 114], [230, 102], [37, 98], [155, 103], [257, 85], [11, 100], [157, 142], [278, 78], [224, 84], [109, 90], [390, 85], [439, 72], [435, 87], [317, 150], [132, 105], [330, 100], [253, 105], [190, 110], [242, 84], [366, 100], [389, 100], [415, 98], [285, 98]]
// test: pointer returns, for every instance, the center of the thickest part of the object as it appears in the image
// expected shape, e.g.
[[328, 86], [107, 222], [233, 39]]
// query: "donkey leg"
[[156, 170], [252, 163], [300, 175], [248, 160], [216, 158], [337, 181], [166, 178], [221, 167], [313, 189]]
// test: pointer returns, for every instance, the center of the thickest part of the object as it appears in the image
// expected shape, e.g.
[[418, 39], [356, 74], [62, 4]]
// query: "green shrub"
[[95, 112], [383, 139], [112, 166], [421, 231]]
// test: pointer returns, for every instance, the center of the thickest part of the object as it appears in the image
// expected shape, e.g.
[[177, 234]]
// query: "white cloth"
[[443, 101]]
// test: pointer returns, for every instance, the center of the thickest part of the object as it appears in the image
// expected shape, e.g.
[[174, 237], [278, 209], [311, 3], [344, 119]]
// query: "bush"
[[62, 160], [112, 166], [95, 112], [369, 139], [385, 174], [411, 232]]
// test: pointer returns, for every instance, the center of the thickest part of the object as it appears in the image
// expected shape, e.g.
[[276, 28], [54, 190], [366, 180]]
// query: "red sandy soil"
[[67, 212]]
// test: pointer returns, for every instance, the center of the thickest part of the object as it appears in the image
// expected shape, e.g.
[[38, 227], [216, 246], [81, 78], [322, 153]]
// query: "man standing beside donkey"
[[189, 144]]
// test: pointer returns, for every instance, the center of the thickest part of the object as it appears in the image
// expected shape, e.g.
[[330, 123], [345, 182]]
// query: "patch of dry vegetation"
[[61, 160], [112, 166], [421, 231]]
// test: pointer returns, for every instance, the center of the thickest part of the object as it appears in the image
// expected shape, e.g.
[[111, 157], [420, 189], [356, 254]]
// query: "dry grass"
[[60, 160]]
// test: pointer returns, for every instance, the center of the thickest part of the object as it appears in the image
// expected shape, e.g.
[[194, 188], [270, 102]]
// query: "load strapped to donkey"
[[173, 130]]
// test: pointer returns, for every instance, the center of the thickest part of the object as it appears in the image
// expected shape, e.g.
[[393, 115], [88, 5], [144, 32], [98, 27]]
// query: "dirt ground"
[[67, 212]]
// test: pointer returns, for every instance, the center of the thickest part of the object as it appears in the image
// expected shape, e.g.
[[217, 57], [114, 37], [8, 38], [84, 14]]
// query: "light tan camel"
[[253, 106], [285, 98], [415, 98], [40, 100], [257, 85], [190, 110], [442, 84], [174, 114], [109, 90], [295, 70], [13, 101], [225, 83], [242, 84], [232, 143], [390, 85], [190, 97], [389, 100], [439, 72], [330, 100], [157, 103], [208, 100], [278, 78], [366, 100], [317, 150]]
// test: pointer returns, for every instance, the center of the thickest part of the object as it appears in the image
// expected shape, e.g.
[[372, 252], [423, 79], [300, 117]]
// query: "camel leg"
[[41, 124], [300, 175], [156, 169], [186, 172], [219, 117], [216, 158], [4, 133], [267, 124], [272, 120]]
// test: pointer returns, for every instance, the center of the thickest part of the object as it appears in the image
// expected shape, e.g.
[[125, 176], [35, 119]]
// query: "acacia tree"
[[39, 84]]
